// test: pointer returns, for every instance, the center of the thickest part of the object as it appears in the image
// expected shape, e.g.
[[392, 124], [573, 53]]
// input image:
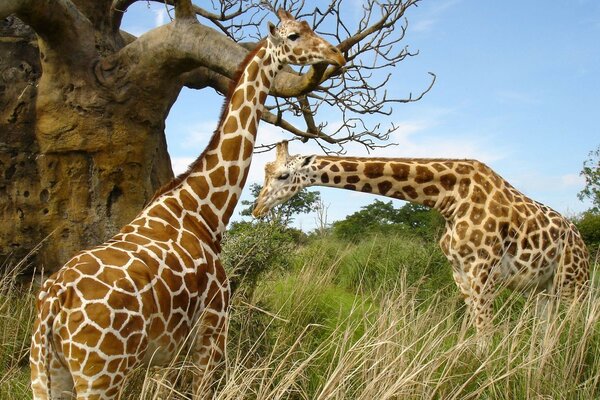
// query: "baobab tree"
[[83, 104]]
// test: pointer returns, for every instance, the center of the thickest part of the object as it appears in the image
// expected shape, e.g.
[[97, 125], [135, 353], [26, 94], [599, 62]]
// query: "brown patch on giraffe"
[[477, 237], [353, 179], [233, 174], [262, 97], [400, 172], [478, 196], [230, 125], [231, 149], [248, 148], [159, 211], [423, 174], [429, 203], [250, 91], [264, 78], [498, 210], [463, 187], [209, 216], [188, 201], [463, 169], [112, 345], [217, 177], [199, 185], [410, 191], [133, 344], [350, 187], [112, 256], [448, 181], [384, 187], [431, 190], [490, 225], [92, 289], [252, 69], [349, 166], [334, 168], [245, 114], [232, 203], [366, 188], [120, 301], [86, 335], [218, 199], [337, 179], [211, 161], [374, 170]]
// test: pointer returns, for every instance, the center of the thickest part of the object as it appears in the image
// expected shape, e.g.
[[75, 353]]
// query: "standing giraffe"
[[135, 299], [494, 234]]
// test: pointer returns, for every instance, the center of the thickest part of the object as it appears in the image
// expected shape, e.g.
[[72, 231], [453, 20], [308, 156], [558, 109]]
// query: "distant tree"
[[381, 216], [591, 173], [302, 203]]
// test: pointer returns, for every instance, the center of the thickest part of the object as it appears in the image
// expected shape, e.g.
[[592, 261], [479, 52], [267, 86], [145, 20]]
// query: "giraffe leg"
[[484, 290], [209, 351], [465, 289], [47, 369]]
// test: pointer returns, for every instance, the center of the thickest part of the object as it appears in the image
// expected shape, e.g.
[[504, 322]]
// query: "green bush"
[[251, 249], [588, 224]]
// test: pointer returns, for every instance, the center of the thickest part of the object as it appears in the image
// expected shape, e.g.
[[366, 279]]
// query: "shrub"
[[251, 249]]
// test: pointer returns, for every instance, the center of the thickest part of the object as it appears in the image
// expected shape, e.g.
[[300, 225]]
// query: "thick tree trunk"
[[76, 163]]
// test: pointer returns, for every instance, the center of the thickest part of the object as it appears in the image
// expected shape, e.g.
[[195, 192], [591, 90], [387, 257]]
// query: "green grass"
[[373, 320]]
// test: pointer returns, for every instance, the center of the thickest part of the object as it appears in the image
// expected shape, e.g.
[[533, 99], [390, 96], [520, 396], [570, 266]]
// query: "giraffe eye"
[[283, 176], [293, 37]]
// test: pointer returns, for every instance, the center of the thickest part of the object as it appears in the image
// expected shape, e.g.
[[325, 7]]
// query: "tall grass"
[[323, 330]]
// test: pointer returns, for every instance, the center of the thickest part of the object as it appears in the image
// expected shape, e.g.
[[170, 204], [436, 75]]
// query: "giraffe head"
[[284, 177], [296, 43]]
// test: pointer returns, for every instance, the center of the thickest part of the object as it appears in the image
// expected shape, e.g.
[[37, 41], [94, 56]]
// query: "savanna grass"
[[324, 330]]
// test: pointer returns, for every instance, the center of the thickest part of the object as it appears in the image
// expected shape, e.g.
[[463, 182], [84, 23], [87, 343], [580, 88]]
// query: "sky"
[[518, 87]]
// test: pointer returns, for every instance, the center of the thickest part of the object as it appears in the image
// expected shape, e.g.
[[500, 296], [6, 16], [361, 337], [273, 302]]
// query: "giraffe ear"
[[307, 160], [273, 34], [282, 151], [285, 15]]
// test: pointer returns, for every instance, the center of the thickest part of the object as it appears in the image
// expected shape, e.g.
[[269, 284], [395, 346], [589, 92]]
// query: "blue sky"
[[518, 87]]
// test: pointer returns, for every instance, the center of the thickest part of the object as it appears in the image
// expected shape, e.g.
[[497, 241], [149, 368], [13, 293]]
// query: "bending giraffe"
[[136, 298], [494, 234]]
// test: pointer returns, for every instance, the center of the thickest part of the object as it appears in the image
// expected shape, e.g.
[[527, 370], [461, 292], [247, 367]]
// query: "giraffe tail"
[[41, 360]]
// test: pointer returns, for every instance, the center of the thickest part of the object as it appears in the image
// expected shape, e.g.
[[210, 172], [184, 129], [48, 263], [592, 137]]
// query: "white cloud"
[[568, 180]]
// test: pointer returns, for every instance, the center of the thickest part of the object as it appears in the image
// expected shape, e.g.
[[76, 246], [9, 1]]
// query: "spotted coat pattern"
[[158, 285], [494, 236]]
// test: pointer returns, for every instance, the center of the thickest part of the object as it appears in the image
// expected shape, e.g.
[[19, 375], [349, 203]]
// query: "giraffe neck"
[[215, 180], [430, 182]]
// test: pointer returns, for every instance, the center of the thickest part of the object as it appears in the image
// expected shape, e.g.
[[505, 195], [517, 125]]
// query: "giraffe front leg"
[[209, 351], [484, 291]]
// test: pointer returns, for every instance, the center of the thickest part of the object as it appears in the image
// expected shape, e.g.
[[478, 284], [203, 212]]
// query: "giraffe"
[[136, 299], [494, 235]]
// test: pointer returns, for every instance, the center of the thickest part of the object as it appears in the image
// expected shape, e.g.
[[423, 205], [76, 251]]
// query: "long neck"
[[218, 176], [435, 183]]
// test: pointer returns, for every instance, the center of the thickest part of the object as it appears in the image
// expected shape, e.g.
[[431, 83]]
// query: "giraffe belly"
[[524, 276]]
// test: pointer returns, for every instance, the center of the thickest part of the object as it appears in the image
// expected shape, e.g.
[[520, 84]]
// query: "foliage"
[[382, 217], [302, 202], [591, 173], [251, 249], [588, 224]]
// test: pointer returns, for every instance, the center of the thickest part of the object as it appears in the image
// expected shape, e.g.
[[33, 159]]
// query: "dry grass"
[[303, 337]]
